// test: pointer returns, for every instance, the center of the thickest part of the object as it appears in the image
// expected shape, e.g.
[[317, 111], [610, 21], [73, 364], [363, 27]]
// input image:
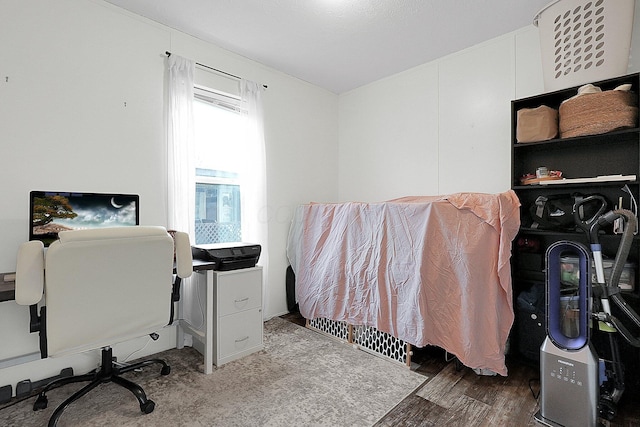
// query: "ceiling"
[[340, 44]]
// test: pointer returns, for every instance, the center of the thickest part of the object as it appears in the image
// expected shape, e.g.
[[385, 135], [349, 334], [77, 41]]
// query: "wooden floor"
[[454, 395]]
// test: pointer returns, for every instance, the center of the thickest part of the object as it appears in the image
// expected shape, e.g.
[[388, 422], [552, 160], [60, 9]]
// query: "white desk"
[[221, 312]]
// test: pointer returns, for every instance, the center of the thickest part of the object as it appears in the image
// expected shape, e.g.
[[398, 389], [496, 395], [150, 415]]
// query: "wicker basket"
[[536, 124], [596, 113]]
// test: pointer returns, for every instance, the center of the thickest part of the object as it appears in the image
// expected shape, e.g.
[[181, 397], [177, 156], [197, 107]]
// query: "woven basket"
[[536, 124], [596, 113]]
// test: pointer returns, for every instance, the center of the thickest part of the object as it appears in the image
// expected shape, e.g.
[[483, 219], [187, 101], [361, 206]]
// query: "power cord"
[[533, 393], [152, 337]]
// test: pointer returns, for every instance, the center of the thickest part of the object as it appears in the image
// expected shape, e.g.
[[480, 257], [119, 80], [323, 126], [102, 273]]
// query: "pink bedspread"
[[427, 270]]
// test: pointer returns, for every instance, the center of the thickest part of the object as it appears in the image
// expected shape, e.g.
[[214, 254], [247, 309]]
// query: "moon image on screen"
[[114, 204]]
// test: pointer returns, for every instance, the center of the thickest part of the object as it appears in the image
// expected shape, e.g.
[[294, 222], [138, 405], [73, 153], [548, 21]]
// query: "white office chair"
[[101, 287]]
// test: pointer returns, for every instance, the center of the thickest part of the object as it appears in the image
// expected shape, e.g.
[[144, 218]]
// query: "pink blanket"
[[427, 270]]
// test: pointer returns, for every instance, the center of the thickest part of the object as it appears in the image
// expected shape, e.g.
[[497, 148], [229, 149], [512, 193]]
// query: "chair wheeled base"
[[108, 372]]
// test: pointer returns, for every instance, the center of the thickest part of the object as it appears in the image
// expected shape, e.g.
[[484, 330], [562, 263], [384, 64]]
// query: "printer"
[[228, 256]]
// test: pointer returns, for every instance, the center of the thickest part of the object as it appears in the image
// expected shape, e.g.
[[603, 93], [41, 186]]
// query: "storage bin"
[[584, 41], [536, 124], [571, 274]]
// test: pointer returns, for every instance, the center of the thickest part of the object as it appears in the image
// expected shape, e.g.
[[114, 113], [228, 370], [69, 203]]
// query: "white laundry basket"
[[583, 41]]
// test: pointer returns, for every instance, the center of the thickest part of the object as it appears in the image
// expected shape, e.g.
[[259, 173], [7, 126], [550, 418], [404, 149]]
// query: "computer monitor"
[[51, 212]]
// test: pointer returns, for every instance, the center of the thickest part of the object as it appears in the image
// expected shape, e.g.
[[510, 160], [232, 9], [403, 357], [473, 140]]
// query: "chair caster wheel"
[[148, 406], [40, 403], [166, 370]]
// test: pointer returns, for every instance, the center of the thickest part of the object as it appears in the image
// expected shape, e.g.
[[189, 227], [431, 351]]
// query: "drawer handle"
[[242, 339], [242, 300]]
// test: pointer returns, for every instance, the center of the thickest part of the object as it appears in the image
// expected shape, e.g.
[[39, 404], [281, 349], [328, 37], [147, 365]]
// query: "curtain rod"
[[216, 70]]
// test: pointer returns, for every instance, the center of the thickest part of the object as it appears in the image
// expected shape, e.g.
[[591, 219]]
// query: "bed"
[[429, 270]]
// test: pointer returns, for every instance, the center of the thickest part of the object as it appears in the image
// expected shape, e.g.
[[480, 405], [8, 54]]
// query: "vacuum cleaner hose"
[[631, 223]]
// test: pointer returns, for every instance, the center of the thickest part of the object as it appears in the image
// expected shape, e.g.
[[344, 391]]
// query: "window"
[[218, 132]]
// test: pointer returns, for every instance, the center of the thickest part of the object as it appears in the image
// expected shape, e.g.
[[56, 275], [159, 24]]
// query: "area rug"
[[301, 378]]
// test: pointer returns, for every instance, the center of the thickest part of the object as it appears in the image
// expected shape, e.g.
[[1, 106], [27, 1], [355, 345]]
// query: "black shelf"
[[575, 235], [612, 153], [610, 137], [572, 186]]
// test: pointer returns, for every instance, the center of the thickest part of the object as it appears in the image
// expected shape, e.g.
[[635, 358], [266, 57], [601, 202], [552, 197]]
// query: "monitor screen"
[[52, 212]]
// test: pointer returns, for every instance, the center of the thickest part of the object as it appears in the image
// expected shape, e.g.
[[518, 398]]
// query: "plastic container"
[[584, 41], [571, 274]]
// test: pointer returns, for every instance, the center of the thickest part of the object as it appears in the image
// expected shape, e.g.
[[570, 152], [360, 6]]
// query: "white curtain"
[[180, 135], [253, 177]]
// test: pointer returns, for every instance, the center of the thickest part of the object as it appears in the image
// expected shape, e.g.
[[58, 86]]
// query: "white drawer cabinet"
[[237, 313], [237, 290], [231, 325], [238, 334]]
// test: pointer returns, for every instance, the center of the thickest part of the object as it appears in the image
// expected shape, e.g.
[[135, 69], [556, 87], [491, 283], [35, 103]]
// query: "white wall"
[[81, 109], [439, 128], [388, 137]]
